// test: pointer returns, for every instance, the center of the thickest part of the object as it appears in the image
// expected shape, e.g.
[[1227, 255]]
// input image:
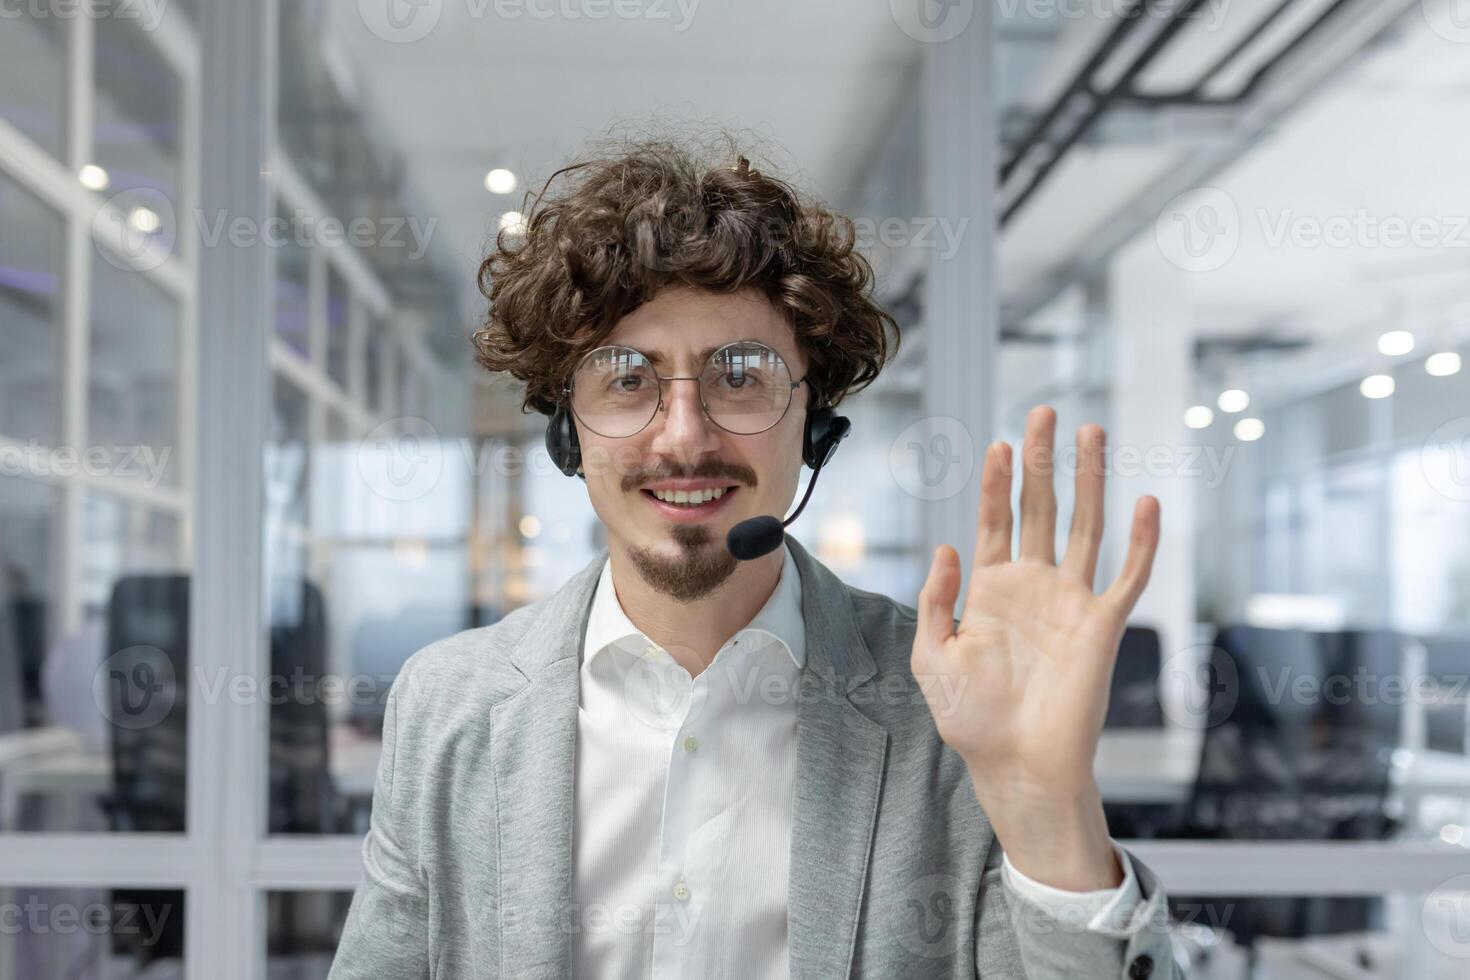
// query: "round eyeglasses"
[[745, 388]]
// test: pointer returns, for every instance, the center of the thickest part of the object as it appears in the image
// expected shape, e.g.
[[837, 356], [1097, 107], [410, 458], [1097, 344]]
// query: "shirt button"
[[681, 891], [691, 743]]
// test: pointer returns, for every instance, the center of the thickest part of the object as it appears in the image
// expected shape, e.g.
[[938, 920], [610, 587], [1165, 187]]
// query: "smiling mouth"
[[689, 505], [689, 498]]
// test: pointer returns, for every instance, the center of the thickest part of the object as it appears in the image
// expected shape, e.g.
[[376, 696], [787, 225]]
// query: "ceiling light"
[[1249, 430], [1377, 386], [93, 177], [500, 181], [1198, 416], [1443, 364], [513, 222], [1233, 400], [1396, 343], [144, 220]]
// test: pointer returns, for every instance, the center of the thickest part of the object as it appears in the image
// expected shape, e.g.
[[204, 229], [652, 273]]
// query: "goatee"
[[694, 573]]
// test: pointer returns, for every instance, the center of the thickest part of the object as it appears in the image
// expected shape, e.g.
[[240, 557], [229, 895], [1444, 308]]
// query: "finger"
[[993, 536], [1038, 498], [1143, 542], [1085, 537], [937, 597]]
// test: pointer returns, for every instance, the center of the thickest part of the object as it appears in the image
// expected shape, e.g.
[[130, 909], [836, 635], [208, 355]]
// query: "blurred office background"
[[247, 465]]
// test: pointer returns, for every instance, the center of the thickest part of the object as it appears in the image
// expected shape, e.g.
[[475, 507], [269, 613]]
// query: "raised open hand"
[[1030, 661]]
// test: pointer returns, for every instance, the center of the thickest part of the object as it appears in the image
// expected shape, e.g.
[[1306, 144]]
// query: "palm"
[[1019, 686]]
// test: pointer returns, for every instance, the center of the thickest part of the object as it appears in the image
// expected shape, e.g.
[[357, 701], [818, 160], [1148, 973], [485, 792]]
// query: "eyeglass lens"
[[745, 388]]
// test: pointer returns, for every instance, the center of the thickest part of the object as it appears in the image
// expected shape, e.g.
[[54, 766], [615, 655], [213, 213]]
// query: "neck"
[[693, 632]]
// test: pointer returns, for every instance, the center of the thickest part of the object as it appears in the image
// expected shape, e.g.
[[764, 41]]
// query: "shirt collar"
[[780, 618]]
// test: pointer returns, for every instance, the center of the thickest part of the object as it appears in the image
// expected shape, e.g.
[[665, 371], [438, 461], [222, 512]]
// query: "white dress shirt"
[[681, 844]]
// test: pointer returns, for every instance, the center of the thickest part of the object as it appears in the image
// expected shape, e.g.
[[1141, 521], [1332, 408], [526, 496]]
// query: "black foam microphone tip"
[[755, 537]]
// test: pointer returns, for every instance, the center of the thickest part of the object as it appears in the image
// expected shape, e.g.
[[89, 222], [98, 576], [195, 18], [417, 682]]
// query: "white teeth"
[[690, 498]]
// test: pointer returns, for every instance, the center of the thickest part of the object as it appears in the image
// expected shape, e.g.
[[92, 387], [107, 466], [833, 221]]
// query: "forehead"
[[680, 326]]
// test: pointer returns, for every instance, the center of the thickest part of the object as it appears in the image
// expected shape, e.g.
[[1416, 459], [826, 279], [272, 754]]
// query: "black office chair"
[[1276, 768], [302, 799], [149, 614], [148, 727], [28, 617], [1133, 701]]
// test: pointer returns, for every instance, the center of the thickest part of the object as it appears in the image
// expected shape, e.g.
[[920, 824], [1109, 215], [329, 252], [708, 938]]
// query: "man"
[[683, 764]]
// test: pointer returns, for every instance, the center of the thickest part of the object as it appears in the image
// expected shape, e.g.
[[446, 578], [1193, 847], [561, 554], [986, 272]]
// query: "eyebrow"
[[657, 357]]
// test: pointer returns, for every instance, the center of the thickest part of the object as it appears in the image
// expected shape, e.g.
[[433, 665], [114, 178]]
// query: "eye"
[[628, 382], [742, 377]]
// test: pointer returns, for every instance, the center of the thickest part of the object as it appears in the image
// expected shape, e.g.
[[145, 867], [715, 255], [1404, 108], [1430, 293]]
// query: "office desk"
[[1147, 765], [54, 762], [1133, 766]]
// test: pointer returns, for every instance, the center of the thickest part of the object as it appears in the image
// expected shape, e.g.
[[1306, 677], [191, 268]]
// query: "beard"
[[692, 574]]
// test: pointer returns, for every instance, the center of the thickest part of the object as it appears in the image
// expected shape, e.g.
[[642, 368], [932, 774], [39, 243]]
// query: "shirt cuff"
[[1107, 911]]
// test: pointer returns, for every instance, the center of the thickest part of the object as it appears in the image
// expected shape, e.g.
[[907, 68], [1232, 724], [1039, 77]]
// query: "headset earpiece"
[[561, 441], [824, 430]]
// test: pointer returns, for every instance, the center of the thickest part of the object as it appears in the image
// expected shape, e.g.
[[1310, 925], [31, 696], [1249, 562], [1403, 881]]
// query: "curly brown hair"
[[646, 214]]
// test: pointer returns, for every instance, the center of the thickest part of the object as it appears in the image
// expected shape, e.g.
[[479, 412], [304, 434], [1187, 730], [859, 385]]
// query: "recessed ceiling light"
[[1233, 400], [1198, 416], [1249, 430], [93, 177], [1396, 343], [1377, 386], [144, 220], [500, 181], [513, 222], [1443, 364]]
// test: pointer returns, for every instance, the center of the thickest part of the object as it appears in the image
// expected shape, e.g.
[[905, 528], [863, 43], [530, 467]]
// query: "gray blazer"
[[895, 871]]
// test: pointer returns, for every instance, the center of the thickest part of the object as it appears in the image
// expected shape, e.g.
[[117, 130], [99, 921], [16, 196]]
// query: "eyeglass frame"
[[566, 390]]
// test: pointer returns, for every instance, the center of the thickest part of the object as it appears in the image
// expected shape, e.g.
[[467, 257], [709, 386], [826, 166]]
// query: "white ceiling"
[[1391, 141], [818, 79], [1387, 139]]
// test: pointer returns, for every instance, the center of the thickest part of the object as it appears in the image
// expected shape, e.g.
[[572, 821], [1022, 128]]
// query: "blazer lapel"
[[532, 751], [839, 771]]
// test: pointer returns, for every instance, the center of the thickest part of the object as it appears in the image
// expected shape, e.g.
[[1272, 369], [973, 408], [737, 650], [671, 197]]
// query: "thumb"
[[937, 598]]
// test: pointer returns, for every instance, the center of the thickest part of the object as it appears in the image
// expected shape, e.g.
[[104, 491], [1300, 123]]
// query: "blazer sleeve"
[[387, 932], [1015, 937]]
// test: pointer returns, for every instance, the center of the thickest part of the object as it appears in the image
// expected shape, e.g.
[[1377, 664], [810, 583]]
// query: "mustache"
[[710, 469]]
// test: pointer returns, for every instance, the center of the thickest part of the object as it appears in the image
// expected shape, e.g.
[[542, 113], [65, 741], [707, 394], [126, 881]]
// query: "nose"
[[681, 429]]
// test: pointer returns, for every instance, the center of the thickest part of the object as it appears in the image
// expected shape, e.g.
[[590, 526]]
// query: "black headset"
[[824, 429]]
